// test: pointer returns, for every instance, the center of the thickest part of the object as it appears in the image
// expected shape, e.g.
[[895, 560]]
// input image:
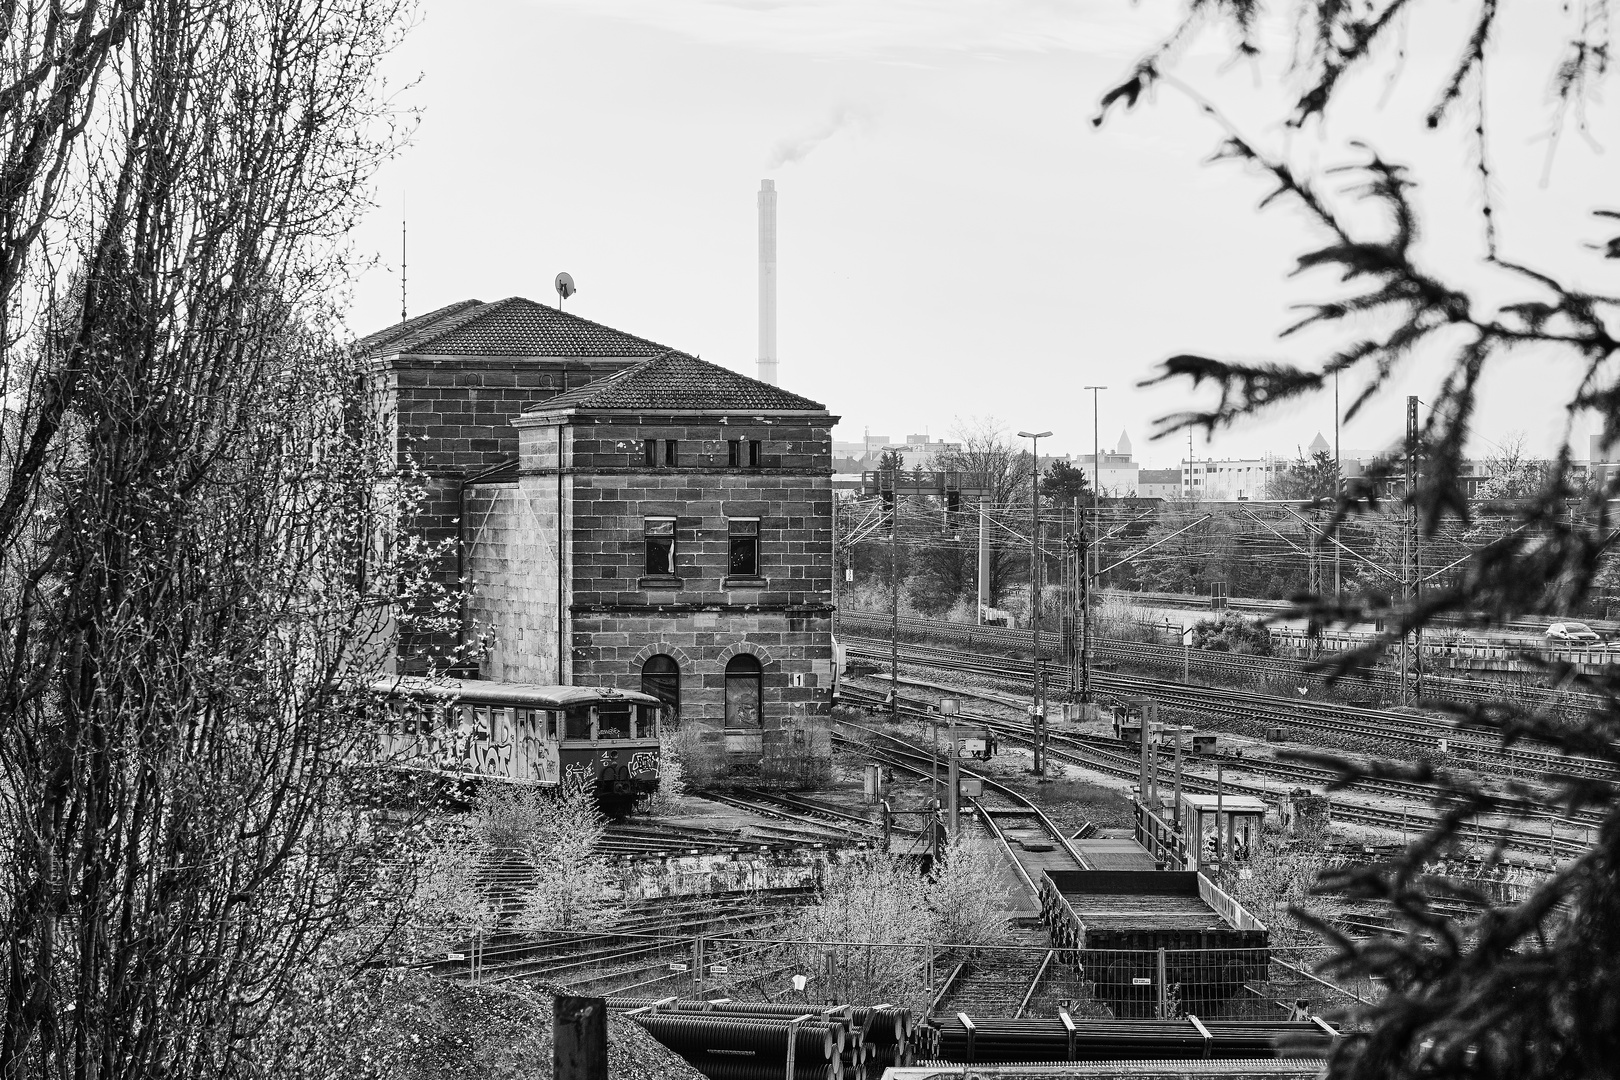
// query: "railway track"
[[635, 951], [1414, 732], [1118, 750], [1127, 766], [1025, 835], [820, 824], [1529, 625], [1438, 687]]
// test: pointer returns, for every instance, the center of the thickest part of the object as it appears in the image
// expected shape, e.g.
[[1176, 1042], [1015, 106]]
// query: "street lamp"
[[1035, 438]]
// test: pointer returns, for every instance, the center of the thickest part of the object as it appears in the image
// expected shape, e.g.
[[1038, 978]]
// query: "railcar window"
[[613, 720], [577, 723], [551, 726], [647, 721]]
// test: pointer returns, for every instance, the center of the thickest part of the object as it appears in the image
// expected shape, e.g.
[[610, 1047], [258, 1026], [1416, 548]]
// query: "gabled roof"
[[512, 327], [678, 381], [1318, 444]]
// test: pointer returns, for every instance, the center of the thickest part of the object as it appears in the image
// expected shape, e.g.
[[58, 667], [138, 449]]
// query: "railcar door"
[[535, 754]]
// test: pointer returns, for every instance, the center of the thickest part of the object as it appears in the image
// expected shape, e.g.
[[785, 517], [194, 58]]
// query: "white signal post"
[[948, 709]]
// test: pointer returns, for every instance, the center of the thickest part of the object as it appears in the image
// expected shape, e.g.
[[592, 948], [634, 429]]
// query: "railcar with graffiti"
[[553, 736]]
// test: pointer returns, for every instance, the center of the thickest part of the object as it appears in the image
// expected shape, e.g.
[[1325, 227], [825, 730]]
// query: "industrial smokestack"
[[767, 281]]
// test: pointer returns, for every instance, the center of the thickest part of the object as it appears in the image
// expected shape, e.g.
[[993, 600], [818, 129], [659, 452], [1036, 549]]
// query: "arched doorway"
[[661, 677], [745, 681]]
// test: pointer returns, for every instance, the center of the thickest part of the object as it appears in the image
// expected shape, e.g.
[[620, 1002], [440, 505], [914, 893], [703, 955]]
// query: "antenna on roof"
[[565, 287], [402, 258]]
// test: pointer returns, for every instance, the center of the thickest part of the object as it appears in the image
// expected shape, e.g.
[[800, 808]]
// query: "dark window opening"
[[661, 678], [733, 452], [671, 452], [745, 682], [649, 451], [577, 722], [659, 536], [753, 453], [613, 720], [744, 560]]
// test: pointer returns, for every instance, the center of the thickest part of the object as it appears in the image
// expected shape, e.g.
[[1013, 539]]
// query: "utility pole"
[[894, 585], [1035, 438], [1090, 559], [984, 564], [1408, 552], [1412, 480], [1096, 485], [1082, 554], [1338, 489]]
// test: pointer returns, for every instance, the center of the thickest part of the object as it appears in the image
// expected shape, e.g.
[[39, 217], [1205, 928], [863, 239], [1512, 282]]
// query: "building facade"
[[667, 528], [1159, 484], [1230, 479], [449, 384]]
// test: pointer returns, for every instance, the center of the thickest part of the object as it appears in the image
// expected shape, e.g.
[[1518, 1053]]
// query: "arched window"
[[661, 677], [744, 682]]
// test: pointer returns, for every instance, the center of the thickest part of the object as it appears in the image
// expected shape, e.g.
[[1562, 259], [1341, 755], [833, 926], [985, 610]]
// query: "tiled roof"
[[376, 343], [511, 327], [677, 381]]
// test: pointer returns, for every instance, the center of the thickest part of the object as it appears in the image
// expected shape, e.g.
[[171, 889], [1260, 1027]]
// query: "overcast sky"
[[957, 241]]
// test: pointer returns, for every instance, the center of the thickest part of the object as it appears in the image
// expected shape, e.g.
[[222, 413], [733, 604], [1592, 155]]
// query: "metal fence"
[[990, 980]]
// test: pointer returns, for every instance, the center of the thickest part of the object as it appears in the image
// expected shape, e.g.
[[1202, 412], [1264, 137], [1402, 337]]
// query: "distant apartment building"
[[1159, 484], [916, 451], [1230, 479]]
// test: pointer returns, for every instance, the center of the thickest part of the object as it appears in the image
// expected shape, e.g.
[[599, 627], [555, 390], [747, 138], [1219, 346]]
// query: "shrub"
[[1232, 633]]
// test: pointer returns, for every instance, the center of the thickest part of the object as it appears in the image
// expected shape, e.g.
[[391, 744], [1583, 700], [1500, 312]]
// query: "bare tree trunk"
[[191, 480]]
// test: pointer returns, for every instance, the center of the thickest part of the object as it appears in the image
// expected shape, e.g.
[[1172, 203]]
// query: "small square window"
[[649, 450], [671, 452], [659, 536], [744, 561], [753, 453], [733, 452]]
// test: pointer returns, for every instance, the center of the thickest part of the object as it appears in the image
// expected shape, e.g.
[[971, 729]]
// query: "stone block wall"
[[609, 649], [511, 581], [614, 492], [452, 418]]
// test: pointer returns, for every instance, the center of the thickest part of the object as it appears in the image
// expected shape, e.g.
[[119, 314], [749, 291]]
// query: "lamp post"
[[1035, 438]]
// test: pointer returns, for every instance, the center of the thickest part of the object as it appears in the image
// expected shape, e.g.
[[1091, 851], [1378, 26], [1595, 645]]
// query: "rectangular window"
[[744, 547], [649, 449], [733, 452], [659, 534], [671, 453], [753, 453]]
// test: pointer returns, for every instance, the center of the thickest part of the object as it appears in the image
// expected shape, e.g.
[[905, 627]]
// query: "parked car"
[[1573, 633]]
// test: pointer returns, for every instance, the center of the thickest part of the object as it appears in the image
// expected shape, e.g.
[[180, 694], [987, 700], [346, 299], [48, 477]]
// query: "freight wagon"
[[1153, 941]]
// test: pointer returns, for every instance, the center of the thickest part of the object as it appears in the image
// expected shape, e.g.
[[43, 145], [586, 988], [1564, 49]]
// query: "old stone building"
[[453, 380], [616, 512], [670, 526]]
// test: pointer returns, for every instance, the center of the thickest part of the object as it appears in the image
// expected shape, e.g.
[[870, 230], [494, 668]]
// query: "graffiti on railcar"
[[643, 761], [577, 777]]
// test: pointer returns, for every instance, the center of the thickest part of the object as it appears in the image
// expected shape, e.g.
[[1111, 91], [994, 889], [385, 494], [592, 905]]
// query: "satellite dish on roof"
[[565, 287]]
